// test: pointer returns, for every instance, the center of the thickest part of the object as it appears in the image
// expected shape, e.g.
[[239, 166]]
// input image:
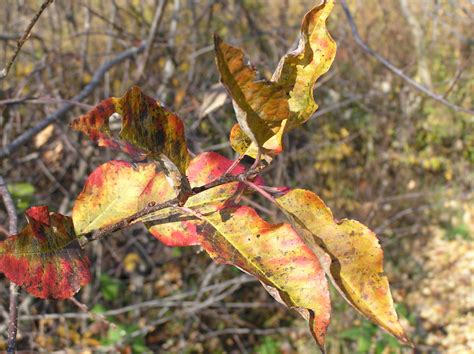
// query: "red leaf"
[[45, 257]]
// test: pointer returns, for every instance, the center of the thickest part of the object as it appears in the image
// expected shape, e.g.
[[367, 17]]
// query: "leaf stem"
[[259, 190]]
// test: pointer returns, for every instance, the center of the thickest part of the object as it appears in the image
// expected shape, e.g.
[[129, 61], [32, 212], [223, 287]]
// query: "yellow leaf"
[[130, 262], [355, 263], [267, 109]]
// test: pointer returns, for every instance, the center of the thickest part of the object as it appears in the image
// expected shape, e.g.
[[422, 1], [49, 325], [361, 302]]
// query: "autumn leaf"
[[266, 110], [274, 254], [148, 131], [119, 189], [45, 256], [355, 262], [299, 70]]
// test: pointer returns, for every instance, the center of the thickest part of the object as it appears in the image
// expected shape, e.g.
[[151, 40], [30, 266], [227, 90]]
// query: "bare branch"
[[23, 39], [393, 68], [160, 10], [12, 229]]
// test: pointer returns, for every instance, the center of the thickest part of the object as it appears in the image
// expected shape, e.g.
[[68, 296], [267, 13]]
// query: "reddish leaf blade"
[[181, 230], [277, 256], [147, 127], [45, 257], [355, 262]]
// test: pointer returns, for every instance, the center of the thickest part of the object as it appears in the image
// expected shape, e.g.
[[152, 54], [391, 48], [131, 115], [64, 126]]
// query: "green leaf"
[[22, 194], [109, 287], [268, 346]]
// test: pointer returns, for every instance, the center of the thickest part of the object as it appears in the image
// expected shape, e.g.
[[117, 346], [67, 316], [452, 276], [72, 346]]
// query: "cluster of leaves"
[[186, 201]]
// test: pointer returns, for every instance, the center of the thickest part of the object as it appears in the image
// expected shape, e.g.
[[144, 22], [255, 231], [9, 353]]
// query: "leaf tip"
[[39, 213]]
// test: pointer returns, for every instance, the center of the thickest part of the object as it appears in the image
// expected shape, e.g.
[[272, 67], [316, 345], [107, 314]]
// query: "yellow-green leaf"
[[356, 258], [298, 70]]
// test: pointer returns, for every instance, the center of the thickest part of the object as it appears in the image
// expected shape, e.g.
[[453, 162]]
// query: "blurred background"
[[377, 150]]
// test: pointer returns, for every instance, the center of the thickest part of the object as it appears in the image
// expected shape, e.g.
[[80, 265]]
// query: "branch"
[[23, 39], [394, 69], [173, 203], [86, 91], [151, 36], [12, 229]]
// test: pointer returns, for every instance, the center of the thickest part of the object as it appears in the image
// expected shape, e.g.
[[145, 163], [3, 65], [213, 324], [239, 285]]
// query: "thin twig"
[[24, 38], [393, 68], [177, 300], [95, 316], [260, 190], [86, 91], [151, 36], [12, 229]]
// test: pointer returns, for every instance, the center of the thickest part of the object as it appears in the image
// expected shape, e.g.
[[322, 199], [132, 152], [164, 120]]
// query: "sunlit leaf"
[[267, 109], [274, 254], [148, 130], [260, 105], [116, 190], [298, 70], [45, 257], [355, 261]]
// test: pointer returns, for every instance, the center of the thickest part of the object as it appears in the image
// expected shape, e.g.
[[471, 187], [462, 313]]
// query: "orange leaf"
[[116, 190], [260, 105], [45, 257], [356, 259]]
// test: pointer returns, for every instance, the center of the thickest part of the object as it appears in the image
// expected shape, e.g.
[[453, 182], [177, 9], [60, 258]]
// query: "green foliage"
[[22, 194], [268, 346], [109, 287], [116, 335], [367, 338]]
